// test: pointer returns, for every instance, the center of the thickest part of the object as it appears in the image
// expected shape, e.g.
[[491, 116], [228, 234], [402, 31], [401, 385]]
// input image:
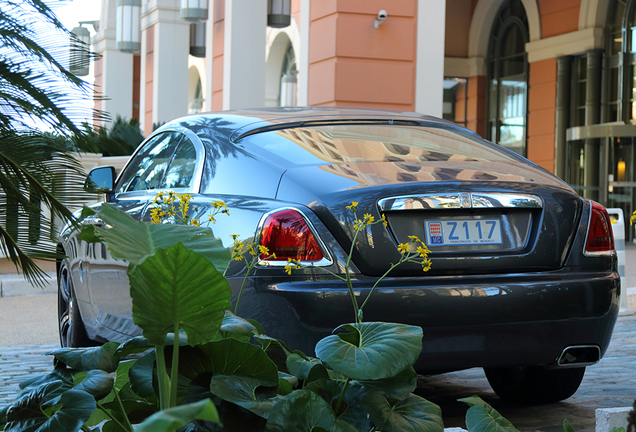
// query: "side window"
[[148, 168], [180, 173]]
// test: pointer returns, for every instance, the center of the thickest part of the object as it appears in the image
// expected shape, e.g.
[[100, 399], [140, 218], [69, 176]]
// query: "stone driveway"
[[611, 383]]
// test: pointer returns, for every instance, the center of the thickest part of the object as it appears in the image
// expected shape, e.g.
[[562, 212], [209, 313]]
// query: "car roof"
[[250, 121]]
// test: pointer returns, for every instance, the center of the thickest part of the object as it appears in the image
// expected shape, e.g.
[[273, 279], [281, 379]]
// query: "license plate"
[[463, 232]]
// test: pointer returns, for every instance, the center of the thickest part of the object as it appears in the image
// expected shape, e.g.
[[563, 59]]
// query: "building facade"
[[554, 81]]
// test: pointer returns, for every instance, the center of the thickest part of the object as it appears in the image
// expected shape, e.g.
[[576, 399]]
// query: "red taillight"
[[286, 234], [599, 234]]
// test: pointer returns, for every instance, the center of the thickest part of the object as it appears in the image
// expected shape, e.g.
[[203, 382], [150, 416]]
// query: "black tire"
[[72, 330], [534, 384]]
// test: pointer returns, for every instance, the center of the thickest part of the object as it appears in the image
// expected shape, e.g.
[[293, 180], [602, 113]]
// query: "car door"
[[168, 160]]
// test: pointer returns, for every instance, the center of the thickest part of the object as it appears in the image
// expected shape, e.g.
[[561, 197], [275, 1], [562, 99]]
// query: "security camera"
[[381, 17]]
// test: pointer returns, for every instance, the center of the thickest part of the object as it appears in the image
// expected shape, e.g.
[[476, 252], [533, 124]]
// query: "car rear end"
[[524, 272]]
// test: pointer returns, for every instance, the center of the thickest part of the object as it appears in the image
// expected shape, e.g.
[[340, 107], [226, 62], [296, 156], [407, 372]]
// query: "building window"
[[507, 93], [289, 79], [455, 100], [620, 81], [578, 91]]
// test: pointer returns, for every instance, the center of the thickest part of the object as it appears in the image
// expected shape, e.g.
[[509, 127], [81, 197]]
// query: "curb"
[[608, 418], [13, 285]]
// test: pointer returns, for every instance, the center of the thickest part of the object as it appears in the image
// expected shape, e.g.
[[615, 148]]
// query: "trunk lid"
[[476, 217]]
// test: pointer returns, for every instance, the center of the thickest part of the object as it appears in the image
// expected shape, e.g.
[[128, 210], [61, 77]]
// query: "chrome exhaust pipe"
[[579, 356]]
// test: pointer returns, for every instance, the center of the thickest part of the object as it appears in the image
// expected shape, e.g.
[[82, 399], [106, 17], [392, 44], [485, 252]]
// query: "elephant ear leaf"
[[371, 351], [85, 359], [51, 408], [304, 410], [131, 240], [481, 417], [177, 288], [171, 419]]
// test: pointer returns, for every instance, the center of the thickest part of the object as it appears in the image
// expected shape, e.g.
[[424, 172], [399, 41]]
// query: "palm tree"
[[37, 173]]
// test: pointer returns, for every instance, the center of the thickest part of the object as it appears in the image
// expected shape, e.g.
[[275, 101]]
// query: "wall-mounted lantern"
[[79, 57], [197, 39], [278, 13], [128, 35], [194, 10]]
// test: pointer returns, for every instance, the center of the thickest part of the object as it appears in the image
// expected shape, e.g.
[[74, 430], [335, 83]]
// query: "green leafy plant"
[[199, 367]]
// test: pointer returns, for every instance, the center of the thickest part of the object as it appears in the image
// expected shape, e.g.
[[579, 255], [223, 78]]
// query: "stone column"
[[244, 54], [429, 69], [165, 48], [114, 70]]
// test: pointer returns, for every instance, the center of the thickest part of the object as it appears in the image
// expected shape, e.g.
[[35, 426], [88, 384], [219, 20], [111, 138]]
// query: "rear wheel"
[[534, 384], [72, 330]]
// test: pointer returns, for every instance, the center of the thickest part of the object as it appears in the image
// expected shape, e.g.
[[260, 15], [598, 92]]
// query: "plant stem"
[[162, 378], [117, 422], [378, 281], [174, 370], [238, 299], [348, 277], [342, 395]]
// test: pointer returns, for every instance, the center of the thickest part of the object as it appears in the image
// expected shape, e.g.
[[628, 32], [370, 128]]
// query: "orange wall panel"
[[322, 79], [353, 63], [458, 19], [217, 55], [148, 79], [358, 37], [295, 10], [375, 81], [476, 105], [559, 17], [542, 113], [541, 152], [322, 40]]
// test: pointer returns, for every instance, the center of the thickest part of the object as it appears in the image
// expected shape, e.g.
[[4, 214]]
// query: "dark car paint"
[[525, 312]]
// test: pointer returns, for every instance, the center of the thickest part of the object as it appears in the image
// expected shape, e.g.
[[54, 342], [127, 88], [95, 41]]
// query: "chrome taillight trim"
[[459, 200], [327, 259], [587, 234]]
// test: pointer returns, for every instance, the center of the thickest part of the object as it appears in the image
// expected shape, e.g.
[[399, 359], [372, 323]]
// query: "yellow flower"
[[368, 219], [353, 206], [404, 248], [384, 222], [263, 250], [358, 224], [154, 215], [423, 250], [415, 239], [212, 219], [234, 237], [195, 222], [288, 269], [251, 250], [426, 265]]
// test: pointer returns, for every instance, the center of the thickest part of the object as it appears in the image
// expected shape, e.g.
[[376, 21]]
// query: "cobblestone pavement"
[[611, 383], [18, 363]]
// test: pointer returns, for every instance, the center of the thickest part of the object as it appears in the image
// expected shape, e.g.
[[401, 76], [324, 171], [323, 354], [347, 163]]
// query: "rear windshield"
[[375, 143]]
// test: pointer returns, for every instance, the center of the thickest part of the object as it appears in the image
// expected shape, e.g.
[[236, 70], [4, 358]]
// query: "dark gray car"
[[523, 281]]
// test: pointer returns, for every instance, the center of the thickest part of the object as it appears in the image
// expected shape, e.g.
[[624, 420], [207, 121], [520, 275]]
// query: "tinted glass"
[[372, 143], [147, 169], [180, 174]]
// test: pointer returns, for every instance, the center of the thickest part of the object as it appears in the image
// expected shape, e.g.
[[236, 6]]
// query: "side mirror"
[[100, 180]]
